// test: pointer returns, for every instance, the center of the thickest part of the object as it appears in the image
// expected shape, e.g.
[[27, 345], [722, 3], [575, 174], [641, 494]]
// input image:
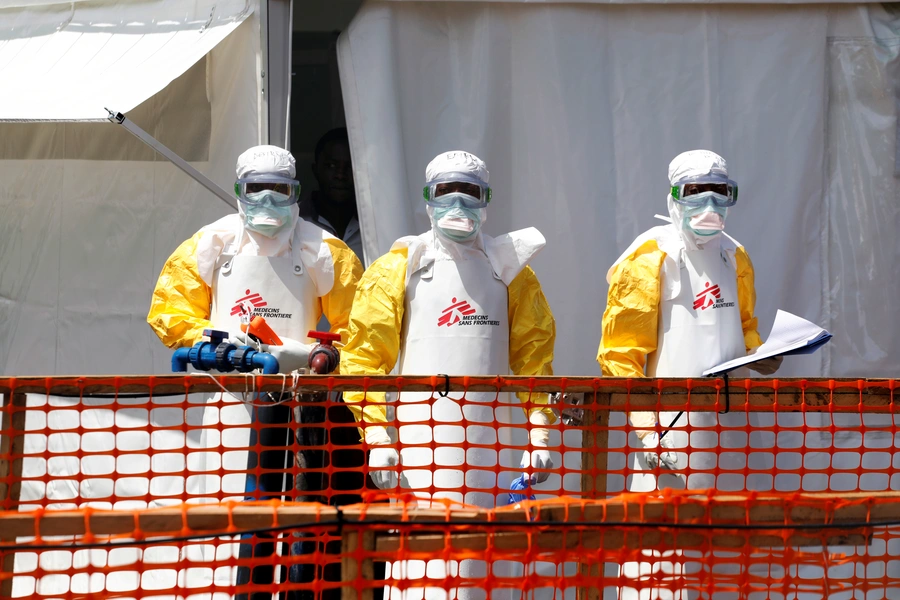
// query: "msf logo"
[[247, 304], [707, 297], [454, 313]]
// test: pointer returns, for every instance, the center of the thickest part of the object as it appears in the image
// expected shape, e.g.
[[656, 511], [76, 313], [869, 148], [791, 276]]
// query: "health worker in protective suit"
[[262, 261], [453, 300], [681, 300]]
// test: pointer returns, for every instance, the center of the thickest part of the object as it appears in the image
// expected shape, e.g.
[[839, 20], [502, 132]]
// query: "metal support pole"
[[278, 31], [119, 119]]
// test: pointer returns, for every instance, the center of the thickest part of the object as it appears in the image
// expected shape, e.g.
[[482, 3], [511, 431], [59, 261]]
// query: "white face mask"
[[456, 225], [707, 223], [698, 225], [265, 218], [460, 224], [457, 222]]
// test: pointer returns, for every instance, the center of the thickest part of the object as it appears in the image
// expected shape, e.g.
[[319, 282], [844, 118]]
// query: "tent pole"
[[119, 119]]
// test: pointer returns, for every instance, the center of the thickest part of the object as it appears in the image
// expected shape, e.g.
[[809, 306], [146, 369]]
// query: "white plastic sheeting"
[[70, 60], [578, 109], [83, 241], [694, 2], [862, 198], [85, 233]]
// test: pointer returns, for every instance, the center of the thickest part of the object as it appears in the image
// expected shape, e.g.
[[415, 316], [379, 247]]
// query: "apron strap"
[[231, 250], [226, 260], [295, 259]]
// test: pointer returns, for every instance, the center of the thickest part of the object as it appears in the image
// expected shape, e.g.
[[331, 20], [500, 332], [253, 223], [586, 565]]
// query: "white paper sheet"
[[790, 335]]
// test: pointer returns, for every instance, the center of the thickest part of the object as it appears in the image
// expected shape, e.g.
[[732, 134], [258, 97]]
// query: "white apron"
[[699, 327], [281, 290], [456, 322]]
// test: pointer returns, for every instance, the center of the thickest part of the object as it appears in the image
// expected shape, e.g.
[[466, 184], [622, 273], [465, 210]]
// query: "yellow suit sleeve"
[[746, 290], [631, 320], [181, 302], [532, 333], [347, 272], [629, 327], [376, 319]]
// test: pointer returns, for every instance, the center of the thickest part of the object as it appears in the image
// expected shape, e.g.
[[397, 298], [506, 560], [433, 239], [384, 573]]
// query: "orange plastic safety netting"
[[788, 491]]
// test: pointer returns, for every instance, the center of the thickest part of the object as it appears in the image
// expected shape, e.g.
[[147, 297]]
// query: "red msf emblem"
[[707, 297], [455, 312], [247, 303]]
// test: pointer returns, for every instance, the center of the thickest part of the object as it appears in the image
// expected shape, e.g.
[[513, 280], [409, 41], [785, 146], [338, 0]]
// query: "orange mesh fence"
[[745, 545], [174, 487]]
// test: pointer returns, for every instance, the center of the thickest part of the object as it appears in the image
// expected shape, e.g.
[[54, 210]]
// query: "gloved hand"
[[291, 354], [242, 339], [766, 366], [540, 457], [656, 454], [382, 458]]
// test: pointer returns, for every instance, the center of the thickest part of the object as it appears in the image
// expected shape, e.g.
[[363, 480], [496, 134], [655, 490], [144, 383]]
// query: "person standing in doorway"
[[333, 206]]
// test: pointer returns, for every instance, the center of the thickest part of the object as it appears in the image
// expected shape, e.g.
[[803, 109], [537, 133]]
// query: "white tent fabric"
[[83, 239], [578, 109], [90, 216], [70, 60], [625, 2], [33, 3]]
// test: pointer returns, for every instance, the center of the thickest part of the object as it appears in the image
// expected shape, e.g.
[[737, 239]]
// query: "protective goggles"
[[289, 188], [687, 192], [475, 194]]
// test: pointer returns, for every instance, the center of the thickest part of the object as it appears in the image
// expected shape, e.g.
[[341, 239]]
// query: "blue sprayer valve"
[[223, 356]]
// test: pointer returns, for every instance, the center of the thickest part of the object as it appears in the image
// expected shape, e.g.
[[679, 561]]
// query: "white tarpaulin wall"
[[91, 213], [578, 110], [90, 216], [71, 59]]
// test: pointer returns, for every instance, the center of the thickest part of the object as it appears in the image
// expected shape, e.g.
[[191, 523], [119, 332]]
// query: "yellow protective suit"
[[376, 321], [180, 308], [632, 310], [632, 316]]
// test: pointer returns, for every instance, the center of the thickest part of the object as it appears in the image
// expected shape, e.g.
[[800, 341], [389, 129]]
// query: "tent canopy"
[[91, 213], [69, 61]]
